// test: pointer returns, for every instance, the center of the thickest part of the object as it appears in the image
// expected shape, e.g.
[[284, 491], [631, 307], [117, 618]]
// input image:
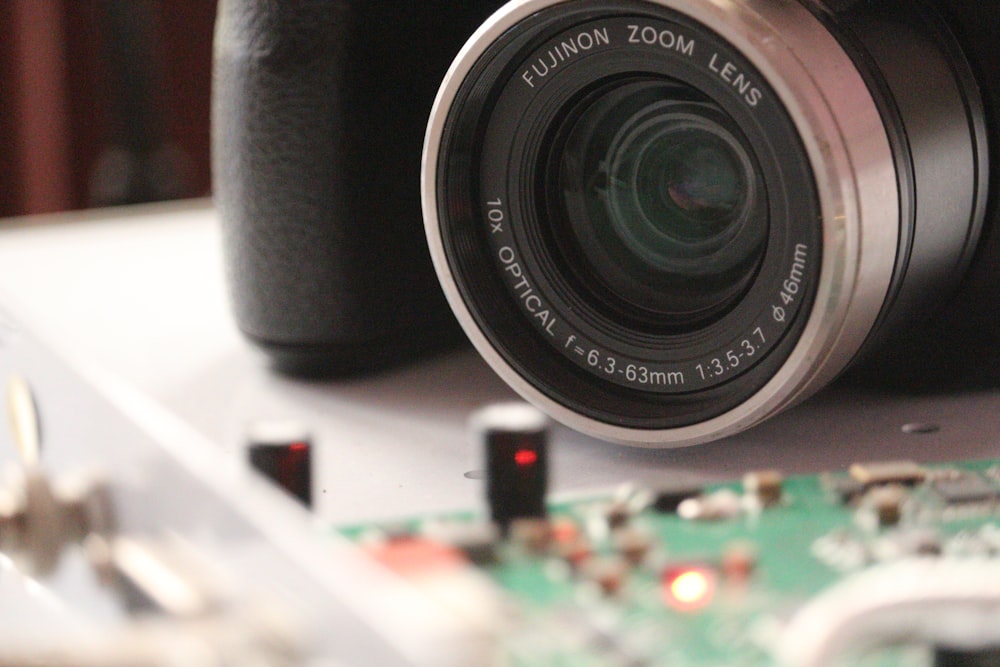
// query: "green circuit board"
[[712, 576]]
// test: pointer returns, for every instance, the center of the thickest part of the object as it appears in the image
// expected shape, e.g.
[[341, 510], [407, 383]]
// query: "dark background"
[[103, 102]]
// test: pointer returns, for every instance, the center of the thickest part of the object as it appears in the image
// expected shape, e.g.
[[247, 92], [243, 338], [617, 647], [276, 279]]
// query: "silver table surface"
[[139, 293]]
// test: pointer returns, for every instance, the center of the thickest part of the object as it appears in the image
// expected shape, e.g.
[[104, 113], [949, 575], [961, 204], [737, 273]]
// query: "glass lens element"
[[674, 187], [662, 200]]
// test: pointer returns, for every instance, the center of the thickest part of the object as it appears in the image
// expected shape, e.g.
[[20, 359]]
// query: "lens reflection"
[[675, 186], [702, 180], [661, 199]]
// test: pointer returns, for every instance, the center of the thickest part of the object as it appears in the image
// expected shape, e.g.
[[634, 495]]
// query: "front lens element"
[[686, 183], [662, 198]]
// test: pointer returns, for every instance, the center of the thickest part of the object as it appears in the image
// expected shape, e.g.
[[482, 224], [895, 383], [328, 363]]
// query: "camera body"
[[319, 115], [319, 111]]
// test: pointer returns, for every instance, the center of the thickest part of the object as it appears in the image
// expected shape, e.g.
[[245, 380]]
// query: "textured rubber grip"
[[318, 116]]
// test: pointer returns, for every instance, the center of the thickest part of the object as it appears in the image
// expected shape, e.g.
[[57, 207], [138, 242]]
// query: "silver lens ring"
[[852, 163]]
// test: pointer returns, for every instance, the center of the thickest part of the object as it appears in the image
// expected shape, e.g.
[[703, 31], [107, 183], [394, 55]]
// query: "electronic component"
[[966, 489], [887, 472], [478, 540], [739, 560], [607, 573], [667, 499], [533, 534], [633, 544], [416, 555], [976, 657], [776, 572], [715, 506], [514, 439], [844, 488], [765, 486], [688, 588], [282, 452], [884, 505], [617, 514]]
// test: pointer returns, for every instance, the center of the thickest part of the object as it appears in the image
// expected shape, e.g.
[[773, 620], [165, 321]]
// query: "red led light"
[[688, 589], [298, 447], [526, 457]]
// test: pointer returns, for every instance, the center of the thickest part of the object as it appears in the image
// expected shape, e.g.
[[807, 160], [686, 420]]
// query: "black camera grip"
[[318, 117]]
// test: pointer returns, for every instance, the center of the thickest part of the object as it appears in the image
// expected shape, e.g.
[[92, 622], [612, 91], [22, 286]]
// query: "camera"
[[318, 115], [662, 221]]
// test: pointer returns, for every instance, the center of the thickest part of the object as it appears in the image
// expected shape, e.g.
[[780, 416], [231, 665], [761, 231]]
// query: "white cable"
[[936, 601]]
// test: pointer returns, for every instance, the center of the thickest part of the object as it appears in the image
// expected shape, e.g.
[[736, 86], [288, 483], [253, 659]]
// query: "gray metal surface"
[[168, 480], [138, 293], [397, 444], [160, 390]]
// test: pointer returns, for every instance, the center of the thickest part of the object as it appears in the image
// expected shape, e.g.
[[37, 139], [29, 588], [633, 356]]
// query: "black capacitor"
[[666, 499], [514, 439], [282, 452], [950, 657]]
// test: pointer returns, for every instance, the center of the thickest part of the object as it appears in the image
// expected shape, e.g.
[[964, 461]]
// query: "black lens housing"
[[861, 219], [500, 155]]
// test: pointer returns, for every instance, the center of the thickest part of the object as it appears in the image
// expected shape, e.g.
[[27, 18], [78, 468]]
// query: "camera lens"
[[676, 180], [657, 192], [664, 221]]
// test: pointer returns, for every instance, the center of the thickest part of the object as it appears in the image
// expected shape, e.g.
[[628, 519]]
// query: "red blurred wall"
[[70, 109]]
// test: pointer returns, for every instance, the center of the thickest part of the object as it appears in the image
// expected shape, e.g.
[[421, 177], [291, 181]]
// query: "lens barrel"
[[665, 221]]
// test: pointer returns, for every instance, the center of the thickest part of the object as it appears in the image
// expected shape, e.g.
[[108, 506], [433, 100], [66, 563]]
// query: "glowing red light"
[[526, 457], [688, 589], [298, 447]]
